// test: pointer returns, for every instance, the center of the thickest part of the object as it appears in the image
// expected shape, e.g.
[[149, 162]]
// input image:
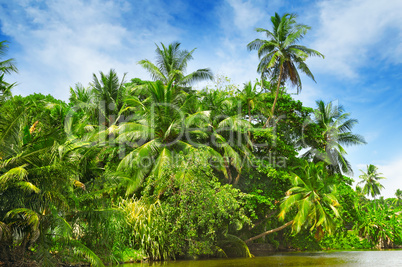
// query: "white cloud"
[[246, 15], [393, 172], [64, 42], [233, 60], [238, 19], [354, 33], [309, 94]]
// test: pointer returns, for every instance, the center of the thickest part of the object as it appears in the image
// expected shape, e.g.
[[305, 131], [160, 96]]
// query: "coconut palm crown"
[[281, 56], [336, 130], [171, 65], [370, 180]]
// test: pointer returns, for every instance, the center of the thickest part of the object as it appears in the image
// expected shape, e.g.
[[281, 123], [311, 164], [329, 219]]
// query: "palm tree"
[[314, 199], [172, 64], [370, 180], [281, 56], [218, 102], [398, 199], [5, 89], [156, 135], [225, 129], [398, 193], [109, 93], [165, 127], [6, 67], [314, 196], [228, 139], [336, 133], [249, 95]]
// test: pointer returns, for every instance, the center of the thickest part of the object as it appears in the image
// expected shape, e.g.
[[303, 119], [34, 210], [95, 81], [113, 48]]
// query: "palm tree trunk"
[[269, 232], [269, 215], [227, 166], [249, 114], [276, 98], [249, 120], [236, 181]]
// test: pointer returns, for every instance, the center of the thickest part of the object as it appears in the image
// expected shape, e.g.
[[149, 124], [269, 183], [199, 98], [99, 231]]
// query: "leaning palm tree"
[[336, 132], [281, 55], [171, 66], [370, 180], [312, 197]]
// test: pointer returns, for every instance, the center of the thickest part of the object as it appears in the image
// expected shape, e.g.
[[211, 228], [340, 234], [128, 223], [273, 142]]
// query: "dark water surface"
[[333, 258]]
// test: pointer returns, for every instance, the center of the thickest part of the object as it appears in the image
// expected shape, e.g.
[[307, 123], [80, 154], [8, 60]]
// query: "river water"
[[332, 258]]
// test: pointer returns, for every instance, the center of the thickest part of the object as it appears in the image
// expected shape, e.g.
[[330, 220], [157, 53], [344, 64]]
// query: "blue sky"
[[59, 43]]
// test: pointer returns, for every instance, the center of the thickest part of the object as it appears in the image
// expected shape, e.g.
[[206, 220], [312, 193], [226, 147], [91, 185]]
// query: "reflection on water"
[[338, 258]]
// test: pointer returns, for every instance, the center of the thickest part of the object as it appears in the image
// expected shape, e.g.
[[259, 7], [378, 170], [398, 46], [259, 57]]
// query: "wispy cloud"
[[238, 20], [391, 171], [246, 15], [64, 42], [309, 95], [355, 33]]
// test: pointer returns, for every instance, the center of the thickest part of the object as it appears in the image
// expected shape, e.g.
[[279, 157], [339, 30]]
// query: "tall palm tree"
[[281, 55], [336, 133], [171, 66], [370, 180]]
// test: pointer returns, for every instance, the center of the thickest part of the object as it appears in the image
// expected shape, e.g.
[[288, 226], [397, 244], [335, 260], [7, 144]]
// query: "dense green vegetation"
[[155, 169]]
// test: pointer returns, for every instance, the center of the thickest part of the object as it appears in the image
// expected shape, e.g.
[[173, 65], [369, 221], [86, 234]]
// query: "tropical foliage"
[[154, 169]]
